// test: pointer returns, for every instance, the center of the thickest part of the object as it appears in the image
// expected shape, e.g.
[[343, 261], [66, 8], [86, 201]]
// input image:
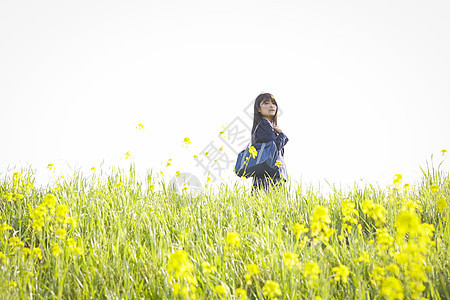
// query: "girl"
[[265, 114]]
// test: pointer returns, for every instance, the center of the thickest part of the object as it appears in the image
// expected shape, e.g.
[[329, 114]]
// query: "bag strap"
[[248, 146], [253, 136]]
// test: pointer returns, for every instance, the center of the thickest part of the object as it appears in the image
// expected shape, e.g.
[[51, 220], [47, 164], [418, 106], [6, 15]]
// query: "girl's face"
[[268, 109]]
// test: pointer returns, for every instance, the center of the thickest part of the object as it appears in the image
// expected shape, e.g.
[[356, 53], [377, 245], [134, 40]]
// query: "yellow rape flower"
[[290, 259], [417, 288], [56, 250], [434, 188], [271, 289], [321, 215], [364, 257], [9, 197], [140, 126], [392, 288], [179, 264], [348, 208], [219, 289], [4, 227], [441, 205], [15, 242], [426, 229], [50, 201], [38, 214], [127, 155], [341, 272], [398, 178], [26, 251], [376, 211], [384, 239], [207, 268], [169, 162], [61, 233], [379, 213], [179, 290], [299, 229], [241, 294], [253, 151], [402, 258], [407, 222], [233, 239], [61, 210], [278, 163], [253, 269], [367, 206], [444, 152], [311, 269], [377, 275], [51, 167], [319, 226], [393, 268], [37, 252]]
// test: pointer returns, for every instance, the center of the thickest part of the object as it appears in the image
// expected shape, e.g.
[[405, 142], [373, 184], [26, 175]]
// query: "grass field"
[[119, 237]]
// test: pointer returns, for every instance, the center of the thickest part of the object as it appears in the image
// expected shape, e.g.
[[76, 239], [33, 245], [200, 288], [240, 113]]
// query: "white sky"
[[363, 85]]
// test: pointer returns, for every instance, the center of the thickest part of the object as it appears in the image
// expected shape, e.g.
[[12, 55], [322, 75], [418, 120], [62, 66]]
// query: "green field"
[[115, 236]]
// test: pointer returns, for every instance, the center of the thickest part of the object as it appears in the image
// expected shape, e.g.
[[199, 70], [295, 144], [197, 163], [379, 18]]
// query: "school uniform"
[[265, 133]]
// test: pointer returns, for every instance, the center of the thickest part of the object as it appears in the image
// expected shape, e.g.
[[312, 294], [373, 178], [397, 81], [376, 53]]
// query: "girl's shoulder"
[[265, 122]]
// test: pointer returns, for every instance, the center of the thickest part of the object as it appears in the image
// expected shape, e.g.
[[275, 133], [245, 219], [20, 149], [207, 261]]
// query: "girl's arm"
[[265, 133]]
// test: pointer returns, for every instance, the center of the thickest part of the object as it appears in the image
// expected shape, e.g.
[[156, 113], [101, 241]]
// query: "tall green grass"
[[128, 228]]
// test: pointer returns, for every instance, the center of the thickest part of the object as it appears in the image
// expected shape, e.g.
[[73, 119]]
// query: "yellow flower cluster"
[[15, 244], [252, 151], [398, 179], [220, 289], [271, 289], [434, 188], [48, 211], [319, 224], [207, 268], [385, 241], [441, 205], [4, 227], [350, 217], [299, 229], [290, 259], [252, 270], [311, 272], [10, 197], [72, 246], [413, 243], [376, 211], [233, 240], [241, 294], [392, 288], [341, 272], [180, 269]]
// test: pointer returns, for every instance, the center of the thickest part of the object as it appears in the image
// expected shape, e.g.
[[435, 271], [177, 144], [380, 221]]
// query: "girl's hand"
[[277, 129]]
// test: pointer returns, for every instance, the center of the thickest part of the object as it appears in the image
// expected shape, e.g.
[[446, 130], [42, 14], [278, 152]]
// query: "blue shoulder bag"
[[263, 163]]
